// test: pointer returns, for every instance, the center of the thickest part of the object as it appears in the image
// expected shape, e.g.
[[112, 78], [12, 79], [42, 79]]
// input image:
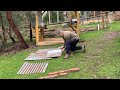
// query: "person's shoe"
[[83, 48], [71, 54], [66, 56]]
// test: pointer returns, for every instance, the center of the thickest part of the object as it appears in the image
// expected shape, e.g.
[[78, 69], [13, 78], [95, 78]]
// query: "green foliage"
[[54, 17], [5, 21]]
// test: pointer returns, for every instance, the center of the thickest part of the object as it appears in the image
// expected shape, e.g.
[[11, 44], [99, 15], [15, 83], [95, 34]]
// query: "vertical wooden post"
[[78, 22], [106, 20], [49, 17], [94, 14], [37, 31], [41, 34], [57, 16], [103, 21]]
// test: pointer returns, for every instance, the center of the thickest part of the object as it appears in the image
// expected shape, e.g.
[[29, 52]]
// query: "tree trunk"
[[10, 35], [1, 40], [30, 33], [3, 30], [14, 28]]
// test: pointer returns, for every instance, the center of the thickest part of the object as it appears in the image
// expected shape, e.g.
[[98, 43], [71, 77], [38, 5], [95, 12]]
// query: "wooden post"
[[57, 16], [49, 17], [94, 14], [106, 20], [37, 31], [103, 21], [41, 34], [78, 22]]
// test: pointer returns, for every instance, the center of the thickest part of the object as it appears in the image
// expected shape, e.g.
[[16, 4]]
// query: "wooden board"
[[50, 41], [45, 54], [54, 53]]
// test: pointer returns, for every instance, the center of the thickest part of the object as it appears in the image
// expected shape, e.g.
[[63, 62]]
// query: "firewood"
[[53, 76]]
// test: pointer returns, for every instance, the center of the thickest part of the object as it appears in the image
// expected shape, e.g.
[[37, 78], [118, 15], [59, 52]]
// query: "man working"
[[70, 41]]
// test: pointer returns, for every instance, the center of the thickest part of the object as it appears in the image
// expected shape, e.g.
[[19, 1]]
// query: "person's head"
[[60, 32]]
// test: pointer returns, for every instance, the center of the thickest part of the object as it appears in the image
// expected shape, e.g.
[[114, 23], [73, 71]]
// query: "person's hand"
[[62, 48]]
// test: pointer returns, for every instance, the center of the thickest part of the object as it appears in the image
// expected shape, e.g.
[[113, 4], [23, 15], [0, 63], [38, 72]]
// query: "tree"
[[3, 30], [10, 34], [14, 28]]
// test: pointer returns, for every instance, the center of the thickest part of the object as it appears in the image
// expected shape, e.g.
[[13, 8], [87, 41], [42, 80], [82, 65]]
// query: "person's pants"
[[71, 46]]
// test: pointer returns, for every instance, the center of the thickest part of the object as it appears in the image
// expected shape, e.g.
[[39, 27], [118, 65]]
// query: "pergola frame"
[[39, 35]]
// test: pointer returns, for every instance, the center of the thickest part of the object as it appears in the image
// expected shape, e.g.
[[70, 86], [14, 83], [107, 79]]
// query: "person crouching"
[[70, 41]]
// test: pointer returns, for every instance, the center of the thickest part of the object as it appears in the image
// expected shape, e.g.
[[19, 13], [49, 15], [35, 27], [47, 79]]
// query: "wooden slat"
[[45, 67], [78, 23], [41, 66], [37, 66], [37, 32], [24, 68], [21, 68], [34, 71], [33, 67], [28, 70]]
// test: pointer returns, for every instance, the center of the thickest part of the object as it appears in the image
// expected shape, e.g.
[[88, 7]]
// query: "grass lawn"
[[90, 25], [101, 59]]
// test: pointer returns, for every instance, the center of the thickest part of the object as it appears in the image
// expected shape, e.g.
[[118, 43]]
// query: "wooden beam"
[[57, 16], [70, 25], [103, 21], [106, 20], [37, 32], [49, 17], [41, 34], [94, 14], [78, 22]]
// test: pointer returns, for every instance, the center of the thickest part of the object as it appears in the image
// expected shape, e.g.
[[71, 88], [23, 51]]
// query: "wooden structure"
[[40, 40], [75, 26], [38, 32]]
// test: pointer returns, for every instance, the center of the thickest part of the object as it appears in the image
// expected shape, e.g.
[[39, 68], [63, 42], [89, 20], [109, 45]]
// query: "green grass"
[[115, 26], [89, 25], [87, 36], [101, 59]]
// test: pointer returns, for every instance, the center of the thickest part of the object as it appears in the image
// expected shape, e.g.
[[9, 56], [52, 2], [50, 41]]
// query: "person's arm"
[[64, 45], [64, 42]]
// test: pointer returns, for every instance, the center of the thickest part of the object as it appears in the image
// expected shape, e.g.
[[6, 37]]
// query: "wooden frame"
[[40, 40], [76, 27]]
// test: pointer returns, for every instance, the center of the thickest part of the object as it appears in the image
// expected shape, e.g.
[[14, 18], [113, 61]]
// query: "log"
[[58, 72], [64, 71], [53, 76]]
